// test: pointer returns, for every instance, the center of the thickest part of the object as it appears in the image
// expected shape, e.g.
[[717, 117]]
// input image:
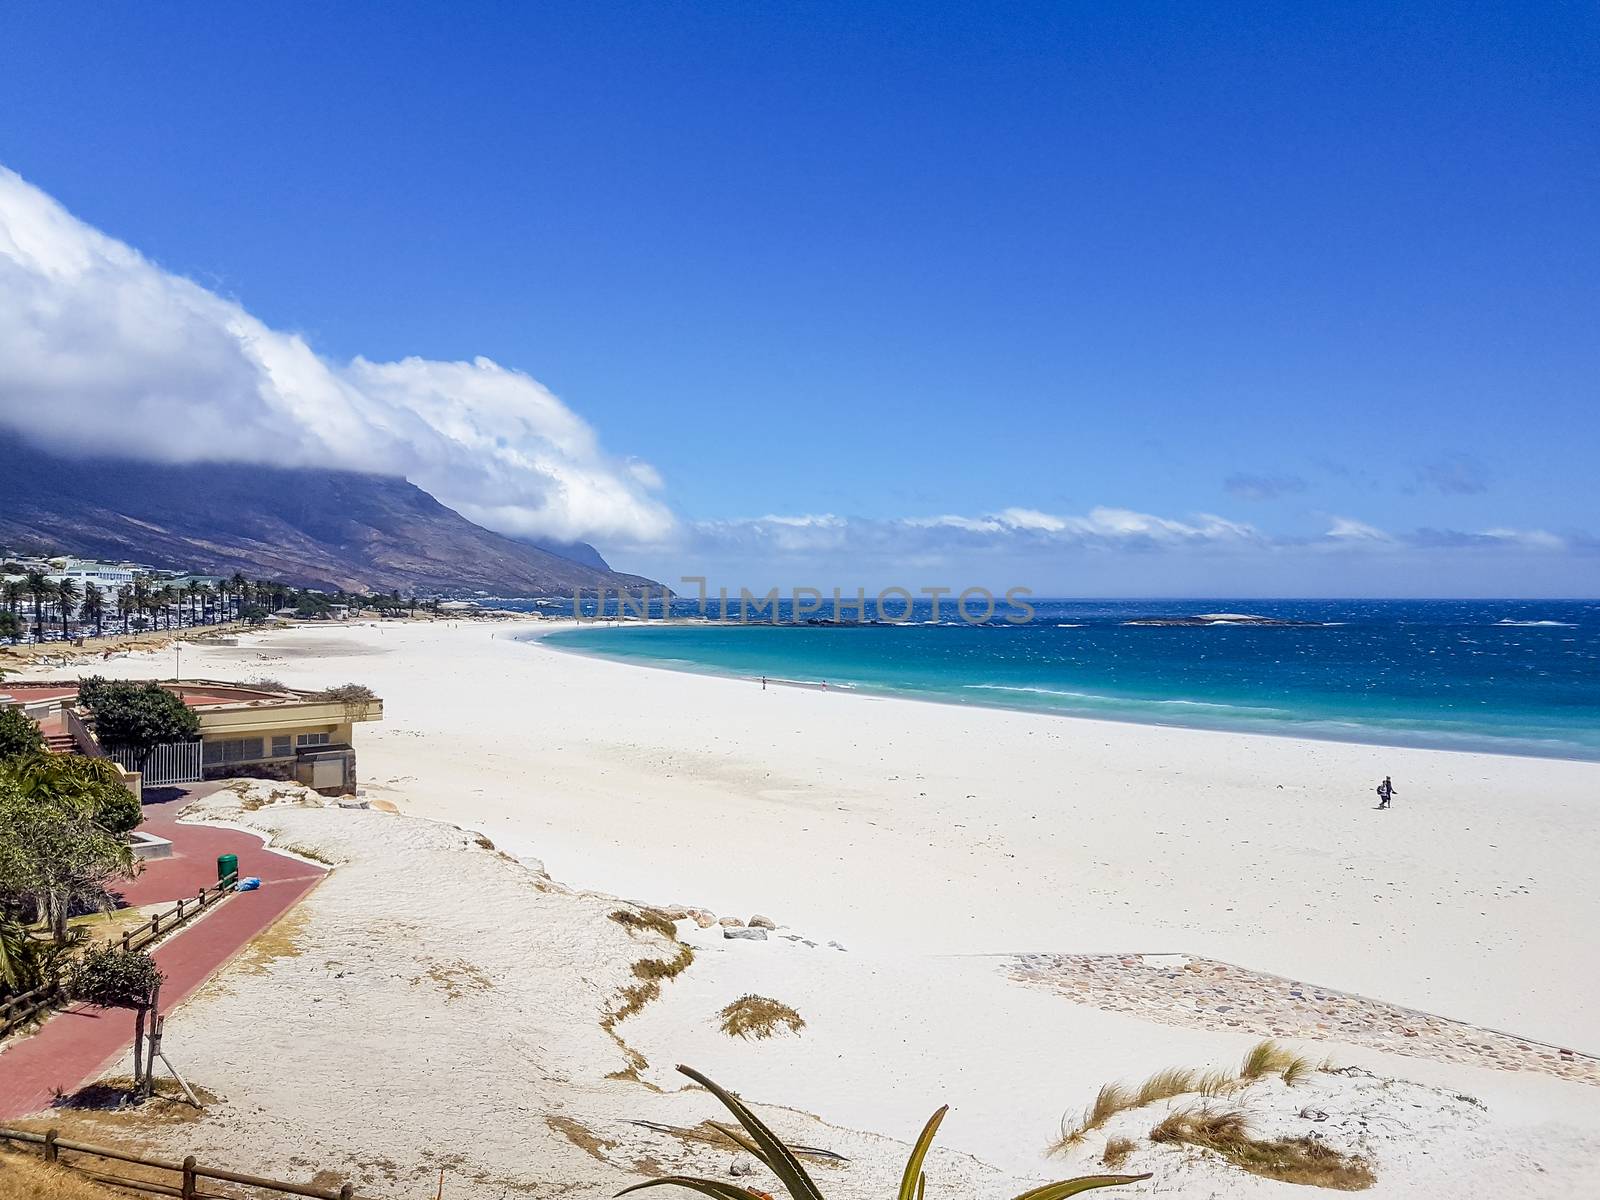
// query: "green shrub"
[[136, 716], [19, 734], [114, 978]]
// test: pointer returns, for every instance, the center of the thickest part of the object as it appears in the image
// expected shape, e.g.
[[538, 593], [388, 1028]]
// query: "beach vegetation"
[[759, 1017], [646, 918], [1260, 1061], [1303, 1160], [761, 1143], [1117, 1151], [1270, 1058]]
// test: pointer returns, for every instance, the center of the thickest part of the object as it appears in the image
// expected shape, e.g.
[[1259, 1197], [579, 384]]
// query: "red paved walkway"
[[74, 1046]]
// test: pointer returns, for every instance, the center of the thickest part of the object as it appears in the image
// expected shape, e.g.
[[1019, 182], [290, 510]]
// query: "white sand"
[[908, 832], [894, 825]]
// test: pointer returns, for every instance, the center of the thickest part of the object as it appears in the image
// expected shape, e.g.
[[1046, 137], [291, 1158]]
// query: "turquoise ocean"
[[1518, 677]]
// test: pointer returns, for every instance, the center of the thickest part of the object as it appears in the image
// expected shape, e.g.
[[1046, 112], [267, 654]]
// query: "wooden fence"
[[19, 1010], [184, 911], [189, 1173]]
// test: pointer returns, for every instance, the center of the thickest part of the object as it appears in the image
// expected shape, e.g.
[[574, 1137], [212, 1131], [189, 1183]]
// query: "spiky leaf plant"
[[765, 1145]]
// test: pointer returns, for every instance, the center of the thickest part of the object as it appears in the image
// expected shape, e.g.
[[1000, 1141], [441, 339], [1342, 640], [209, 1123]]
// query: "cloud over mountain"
[[102, 351]]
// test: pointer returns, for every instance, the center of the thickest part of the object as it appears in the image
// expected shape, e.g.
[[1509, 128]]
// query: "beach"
[[894, 825], [910, 853]]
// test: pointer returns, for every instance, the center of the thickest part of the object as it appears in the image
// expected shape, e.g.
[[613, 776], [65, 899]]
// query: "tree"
[[10, 627], [67, 600], [94, 605], [57, 857], [113, 978], [19, 734], [38, 587], [136, 717], [27, 962], [125, 605], [91, 787]]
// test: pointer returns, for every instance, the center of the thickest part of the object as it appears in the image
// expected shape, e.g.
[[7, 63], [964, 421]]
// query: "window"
[[232, 751], [312, 739], [282, 745]]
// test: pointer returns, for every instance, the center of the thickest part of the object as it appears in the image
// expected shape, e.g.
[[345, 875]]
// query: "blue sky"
[[872, 264]]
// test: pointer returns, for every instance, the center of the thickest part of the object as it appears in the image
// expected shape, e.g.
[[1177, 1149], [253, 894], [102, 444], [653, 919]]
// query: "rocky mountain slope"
[[311, 527]]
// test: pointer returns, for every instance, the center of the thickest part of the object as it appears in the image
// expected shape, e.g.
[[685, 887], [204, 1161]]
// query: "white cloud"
[[102, 351], [1344, 529]]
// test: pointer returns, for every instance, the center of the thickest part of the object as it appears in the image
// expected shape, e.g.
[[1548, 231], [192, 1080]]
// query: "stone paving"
[[1177, 989]]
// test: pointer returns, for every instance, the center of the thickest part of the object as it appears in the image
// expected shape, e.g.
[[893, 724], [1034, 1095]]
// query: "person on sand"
[[1385, 792]]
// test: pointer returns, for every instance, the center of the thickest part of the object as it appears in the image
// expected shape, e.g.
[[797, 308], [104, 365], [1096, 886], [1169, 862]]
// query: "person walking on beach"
[[1385, 792]]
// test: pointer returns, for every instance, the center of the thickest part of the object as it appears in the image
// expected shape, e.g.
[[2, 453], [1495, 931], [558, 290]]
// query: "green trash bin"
[[227, 864]]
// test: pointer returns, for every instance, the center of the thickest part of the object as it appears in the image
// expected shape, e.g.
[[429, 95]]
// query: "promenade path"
[[75, 1046]]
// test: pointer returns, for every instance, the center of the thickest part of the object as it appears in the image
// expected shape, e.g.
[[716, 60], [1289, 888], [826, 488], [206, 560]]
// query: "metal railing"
[[170, 762], [189, 1172]]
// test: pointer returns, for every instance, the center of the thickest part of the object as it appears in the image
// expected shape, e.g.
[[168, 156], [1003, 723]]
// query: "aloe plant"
[[765, 1145]]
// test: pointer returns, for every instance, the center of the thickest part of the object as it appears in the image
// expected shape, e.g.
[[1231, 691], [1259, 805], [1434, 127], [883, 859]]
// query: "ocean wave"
[[1132, 702], [1042, 691], [1537, 624]]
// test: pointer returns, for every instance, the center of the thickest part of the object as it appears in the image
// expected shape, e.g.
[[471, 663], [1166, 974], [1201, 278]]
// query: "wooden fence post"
[[188, 1178], [51, 1154], [126, 934], [347, 1191]]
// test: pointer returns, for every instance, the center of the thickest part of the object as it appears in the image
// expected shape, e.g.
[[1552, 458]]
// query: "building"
[[256, 731]]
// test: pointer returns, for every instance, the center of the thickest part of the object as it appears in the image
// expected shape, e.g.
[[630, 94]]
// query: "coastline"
[[923, 828], [1073, 892], [1098, 706]]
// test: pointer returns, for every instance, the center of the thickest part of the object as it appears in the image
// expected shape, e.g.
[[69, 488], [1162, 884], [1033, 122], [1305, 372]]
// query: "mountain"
[[309, 527]]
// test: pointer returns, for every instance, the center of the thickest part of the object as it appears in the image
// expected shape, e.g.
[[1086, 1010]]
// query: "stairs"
[[60, 743]]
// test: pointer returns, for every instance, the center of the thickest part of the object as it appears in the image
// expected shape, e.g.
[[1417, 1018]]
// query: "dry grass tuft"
[[28, 1177], [1269, 1058], [1303, 1160], [663, 968], [1111, 1099], [1264, 1058], [752, 1016], [646, 918], [1163, 1085], [1117, 1151]]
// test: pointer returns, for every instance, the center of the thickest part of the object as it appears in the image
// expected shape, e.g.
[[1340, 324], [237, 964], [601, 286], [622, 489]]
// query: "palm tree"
[[193, 589], [241, 591], [207, 609], [12, 593], [67, 600], [124, 605], [94, 605], [141, 597], [38, 587]]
